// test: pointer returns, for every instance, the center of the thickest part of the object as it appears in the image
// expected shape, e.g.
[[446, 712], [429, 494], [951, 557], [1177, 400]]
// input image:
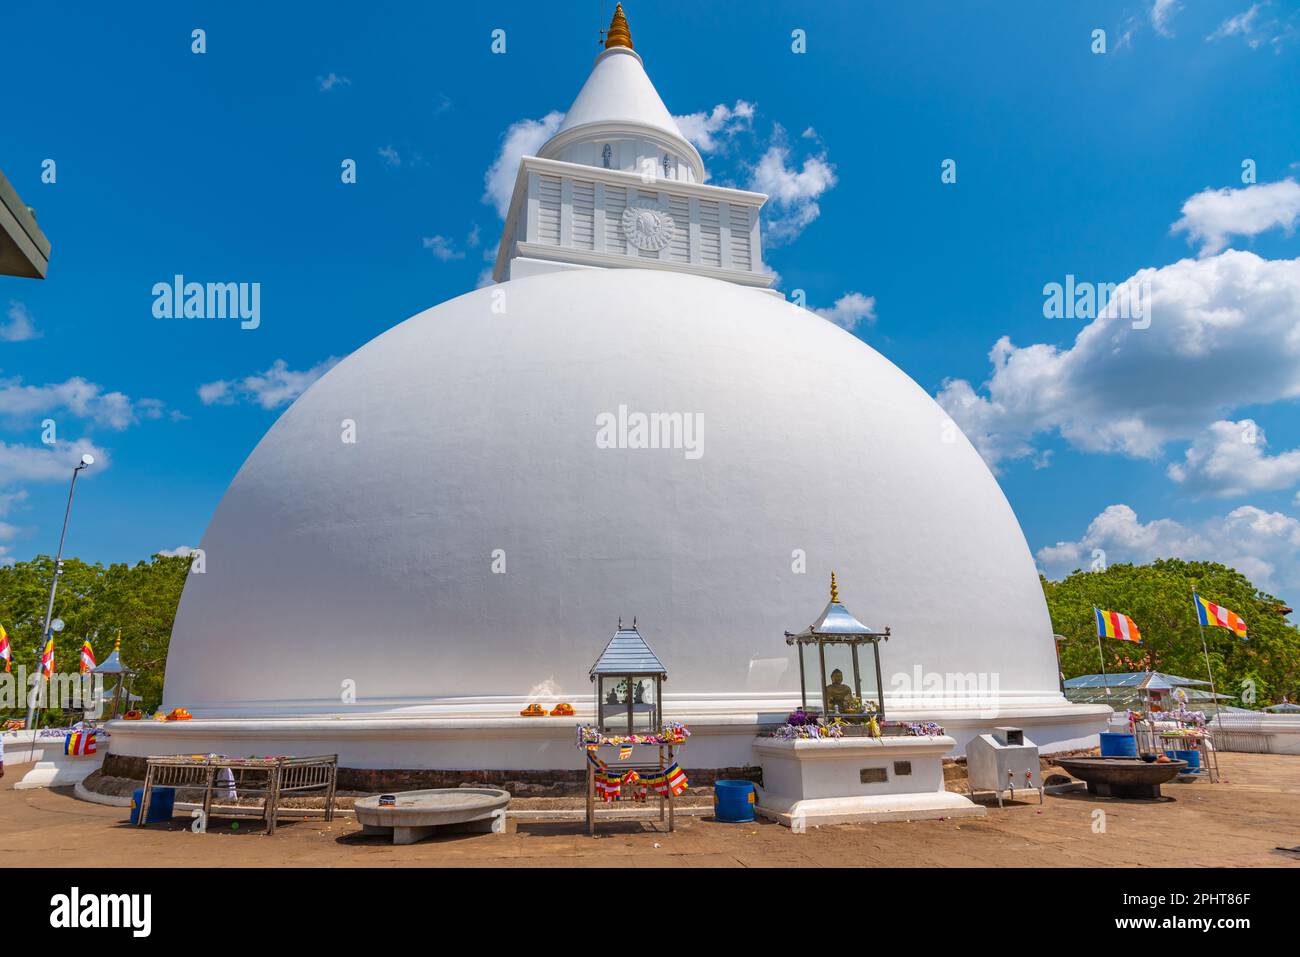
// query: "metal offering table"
[[648, 772], [270, 778]]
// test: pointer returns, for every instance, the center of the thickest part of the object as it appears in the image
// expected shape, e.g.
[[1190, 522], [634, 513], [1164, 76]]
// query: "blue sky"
[[224, 166]]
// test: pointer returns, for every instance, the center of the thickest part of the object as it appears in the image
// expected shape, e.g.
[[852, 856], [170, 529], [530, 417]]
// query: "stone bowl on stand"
[[420, 814]]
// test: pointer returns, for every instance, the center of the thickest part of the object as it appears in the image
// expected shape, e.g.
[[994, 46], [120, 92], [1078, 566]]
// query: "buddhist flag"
[[79, 743], [1111, 624], [87, 656], [676, 778], [5, 654], [47, 659], [625, 752], [1208, 613]]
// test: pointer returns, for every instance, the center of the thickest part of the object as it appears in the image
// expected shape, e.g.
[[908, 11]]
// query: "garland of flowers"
[[803, 726], [673, 732], [1193, 719], [792, 732], [923, 729]]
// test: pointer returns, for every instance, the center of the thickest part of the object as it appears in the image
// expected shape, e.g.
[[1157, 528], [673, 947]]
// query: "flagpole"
[[1100, 657], [1206, 649], [86, 460]]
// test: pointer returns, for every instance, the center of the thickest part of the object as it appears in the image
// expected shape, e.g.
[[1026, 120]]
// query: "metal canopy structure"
[[625, 673], [838, 626], [1143, 680], [1126, 689], [113, 665], [24, 250]]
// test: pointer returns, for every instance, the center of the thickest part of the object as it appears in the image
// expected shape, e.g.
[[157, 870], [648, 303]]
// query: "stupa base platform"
[[406, 751]]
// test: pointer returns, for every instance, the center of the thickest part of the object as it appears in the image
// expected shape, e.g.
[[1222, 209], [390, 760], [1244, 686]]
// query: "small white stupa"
[[628, 422]]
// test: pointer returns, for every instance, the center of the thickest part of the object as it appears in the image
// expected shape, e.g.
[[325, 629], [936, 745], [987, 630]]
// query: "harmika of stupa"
[[401, 598]]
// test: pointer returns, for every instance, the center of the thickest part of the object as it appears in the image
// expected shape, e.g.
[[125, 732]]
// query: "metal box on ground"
[[1003, 761]]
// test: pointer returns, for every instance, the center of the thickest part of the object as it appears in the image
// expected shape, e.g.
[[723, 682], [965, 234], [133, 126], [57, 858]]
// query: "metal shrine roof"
[[112, 665], [1146, 680], [835, 622], [628, 654]]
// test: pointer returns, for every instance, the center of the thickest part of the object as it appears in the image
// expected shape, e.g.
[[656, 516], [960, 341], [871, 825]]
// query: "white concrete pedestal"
[[842, 780], [57, 770]]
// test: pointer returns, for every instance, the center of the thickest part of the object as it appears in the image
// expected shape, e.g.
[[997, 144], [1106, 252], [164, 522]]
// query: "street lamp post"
[[87, 460]]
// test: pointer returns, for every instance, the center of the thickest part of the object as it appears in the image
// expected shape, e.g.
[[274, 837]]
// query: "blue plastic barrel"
[[162, 802], [1193, 759], [733, 801], [1117, 744]]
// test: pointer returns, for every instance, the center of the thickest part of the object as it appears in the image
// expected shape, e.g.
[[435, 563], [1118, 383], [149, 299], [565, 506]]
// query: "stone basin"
[[419, 814], [1123, 777]]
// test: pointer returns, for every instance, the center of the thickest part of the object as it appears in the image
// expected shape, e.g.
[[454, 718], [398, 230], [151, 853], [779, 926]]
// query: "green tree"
[[1158, 597], [96, 602]]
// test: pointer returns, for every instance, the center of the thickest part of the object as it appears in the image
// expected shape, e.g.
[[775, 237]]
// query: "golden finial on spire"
[[618, 34], [835, 591], [117, 645]]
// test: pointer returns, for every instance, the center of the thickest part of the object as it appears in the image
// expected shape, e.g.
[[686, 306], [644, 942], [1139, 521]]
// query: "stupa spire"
[[835, 591], [618, 34]]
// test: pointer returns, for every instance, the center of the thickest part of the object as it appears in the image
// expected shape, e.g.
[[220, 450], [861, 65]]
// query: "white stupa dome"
[[450, 523], [476, 431]]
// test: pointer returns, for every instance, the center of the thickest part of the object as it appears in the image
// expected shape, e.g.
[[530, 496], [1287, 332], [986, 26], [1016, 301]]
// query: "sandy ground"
[[1239, 822]]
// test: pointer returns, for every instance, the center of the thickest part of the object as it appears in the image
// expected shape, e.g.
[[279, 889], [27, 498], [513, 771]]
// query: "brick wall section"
[[522, 783]]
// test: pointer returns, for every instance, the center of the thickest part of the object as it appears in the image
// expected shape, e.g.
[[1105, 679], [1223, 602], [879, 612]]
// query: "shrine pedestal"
[[817, 781]]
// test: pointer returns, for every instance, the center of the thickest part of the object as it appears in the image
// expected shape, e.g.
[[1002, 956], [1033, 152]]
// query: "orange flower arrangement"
[[533, 711], [133, 715], [562, 710], [179, 714]]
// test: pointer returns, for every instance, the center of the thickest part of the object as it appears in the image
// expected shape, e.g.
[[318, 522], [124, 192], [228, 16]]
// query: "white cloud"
[[1239, 24], [1228, 460], [1213, 216], [8, 531], [1223, 335], [850, 309], [1264, 546], [442, 248], [179, 551], [793, 192], [331, 80], [9, 498], [390, 156], [20, 326], [45, 463], [216, 393], [277, 386], [1254, 30], [709, 130], [520, 139], [1162, 11], [76, 397]]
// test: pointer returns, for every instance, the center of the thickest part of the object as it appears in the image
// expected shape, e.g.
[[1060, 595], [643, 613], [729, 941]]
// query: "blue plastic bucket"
[[1193, 759], [162, 803], [1117, 744], [733, 801]]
